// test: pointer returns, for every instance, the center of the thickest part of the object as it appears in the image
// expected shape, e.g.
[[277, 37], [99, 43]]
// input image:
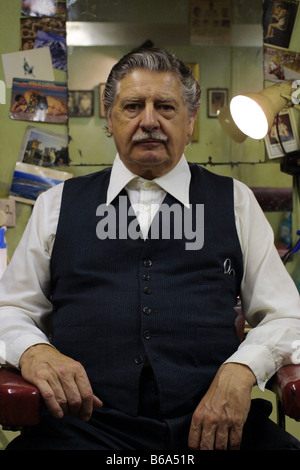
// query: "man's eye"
[[132, 107], [166, 107]]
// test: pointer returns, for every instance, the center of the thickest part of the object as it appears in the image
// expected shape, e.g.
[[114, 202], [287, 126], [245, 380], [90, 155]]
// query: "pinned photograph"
[[34, 100], [43, 7], [281, 64], [29, 181], [278, 21], [58, 48], [33, 64], [283, 137], [44, 148], [29, 27]]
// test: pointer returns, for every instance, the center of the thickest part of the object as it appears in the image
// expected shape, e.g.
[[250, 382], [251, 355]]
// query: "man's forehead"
[[147, 81]]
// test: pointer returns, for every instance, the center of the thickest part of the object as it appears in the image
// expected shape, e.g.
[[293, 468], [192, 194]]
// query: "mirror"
[[231, 61]]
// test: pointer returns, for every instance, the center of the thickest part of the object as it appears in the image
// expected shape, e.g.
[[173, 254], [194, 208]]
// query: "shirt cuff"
[[15, 349], [259, 359]]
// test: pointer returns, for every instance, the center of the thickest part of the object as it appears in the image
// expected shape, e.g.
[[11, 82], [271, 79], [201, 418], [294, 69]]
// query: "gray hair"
[[153, 60]]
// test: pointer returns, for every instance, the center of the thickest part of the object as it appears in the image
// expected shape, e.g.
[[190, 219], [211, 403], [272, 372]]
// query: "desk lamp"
[[254, 114]]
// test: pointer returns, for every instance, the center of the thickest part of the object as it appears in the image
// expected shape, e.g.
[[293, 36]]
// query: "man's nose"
[[149, 117]]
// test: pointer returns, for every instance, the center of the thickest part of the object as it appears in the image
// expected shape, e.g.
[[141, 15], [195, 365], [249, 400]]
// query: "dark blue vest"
[[121, 300]]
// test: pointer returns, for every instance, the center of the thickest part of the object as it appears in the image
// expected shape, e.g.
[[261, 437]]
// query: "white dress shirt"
[[270, 298]]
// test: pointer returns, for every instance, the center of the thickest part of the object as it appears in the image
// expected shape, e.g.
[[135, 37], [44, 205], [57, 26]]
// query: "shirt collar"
[[176, 182]]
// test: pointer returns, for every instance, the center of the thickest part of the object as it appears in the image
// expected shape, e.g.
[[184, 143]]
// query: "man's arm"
[[271, 304], [270, 299], [25, 311]]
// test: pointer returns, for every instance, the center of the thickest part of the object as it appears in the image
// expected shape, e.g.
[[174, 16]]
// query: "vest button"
[[147, 290], [138, 359], [147, 334], [147, 310], [147, 263]]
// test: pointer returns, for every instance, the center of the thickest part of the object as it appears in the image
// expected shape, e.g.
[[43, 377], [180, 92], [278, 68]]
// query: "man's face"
[[149, 122]]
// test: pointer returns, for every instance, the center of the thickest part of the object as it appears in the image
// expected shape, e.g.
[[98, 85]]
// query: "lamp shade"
[[254, 113], [229, 126]]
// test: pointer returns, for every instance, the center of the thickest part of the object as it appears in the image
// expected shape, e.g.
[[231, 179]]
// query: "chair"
[[20, 402]]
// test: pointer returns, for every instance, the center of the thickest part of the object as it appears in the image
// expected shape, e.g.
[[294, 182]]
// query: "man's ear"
[[108, 119], [191, 123]]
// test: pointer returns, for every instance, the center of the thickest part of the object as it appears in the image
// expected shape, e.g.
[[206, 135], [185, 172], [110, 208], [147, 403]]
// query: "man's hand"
[[218, 421], [63, 382]]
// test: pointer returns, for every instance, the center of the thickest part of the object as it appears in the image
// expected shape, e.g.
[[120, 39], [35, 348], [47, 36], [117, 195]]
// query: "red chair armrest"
[[286, 384], [20, 401]]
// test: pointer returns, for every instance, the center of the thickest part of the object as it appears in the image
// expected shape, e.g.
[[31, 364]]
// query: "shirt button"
[[147, 290], [146, 277], [147, 263], [147, 310], [147, 334]]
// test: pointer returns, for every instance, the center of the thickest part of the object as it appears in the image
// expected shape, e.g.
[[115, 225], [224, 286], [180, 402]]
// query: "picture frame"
[[216, 99], [278, 21], [101, 103], [288, 135], [81, 103]]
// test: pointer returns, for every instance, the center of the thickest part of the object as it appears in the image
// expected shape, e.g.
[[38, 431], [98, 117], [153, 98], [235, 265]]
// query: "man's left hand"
[[218, 421]]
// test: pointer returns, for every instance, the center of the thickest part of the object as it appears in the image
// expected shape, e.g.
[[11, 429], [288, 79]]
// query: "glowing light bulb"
[[249, 117]]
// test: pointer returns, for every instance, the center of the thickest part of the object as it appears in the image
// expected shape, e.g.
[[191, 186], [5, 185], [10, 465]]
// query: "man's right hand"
[[62, 382]]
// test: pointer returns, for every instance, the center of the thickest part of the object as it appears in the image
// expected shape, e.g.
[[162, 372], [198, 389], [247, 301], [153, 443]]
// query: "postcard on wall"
[[278, 21], [38, 100], [44, 7], [210, 22], [35, 64], [31, 26], [29, 181], [44, 148], [58, 48], [281, 64], [285, 131]]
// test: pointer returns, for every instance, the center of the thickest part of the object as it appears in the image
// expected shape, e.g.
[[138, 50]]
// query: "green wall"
[[236, 69]]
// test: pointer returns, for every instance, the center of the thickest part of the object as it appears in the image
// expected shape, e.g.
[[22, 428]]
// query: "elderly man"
[[134, 273]]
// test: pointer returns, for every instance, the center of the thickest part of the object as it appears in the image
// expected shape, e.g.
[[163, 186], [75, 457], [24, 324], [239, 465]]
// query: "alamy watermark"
[[187, 223]]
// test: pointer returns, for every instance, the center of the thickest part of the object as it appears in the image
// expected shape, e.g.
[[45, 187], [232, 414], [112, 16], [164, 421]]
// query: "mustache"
[[152, 135]]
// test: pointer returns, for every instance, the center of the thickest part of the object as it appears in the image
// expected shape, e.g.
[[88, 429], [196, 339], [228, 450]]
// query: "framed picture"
[[101, 104], [287, 130], [216, 99], [81, 103], [278, 21]]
